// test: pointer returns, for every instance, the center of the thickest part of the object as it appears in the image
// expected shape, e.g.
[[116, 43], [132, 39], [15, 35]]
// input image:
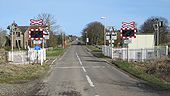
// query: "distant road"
[[78, 73]]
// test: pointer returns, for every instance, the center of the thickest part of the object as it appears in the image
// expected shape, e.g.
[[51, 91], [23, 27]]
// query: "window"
[[18, 34], [18, 43]]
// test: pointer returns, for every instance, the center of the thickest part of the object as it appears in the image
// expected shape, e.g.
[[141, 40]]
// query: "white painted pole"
[[104, 33], [167, 50], [43, 43], [12, 42], [41, 53]]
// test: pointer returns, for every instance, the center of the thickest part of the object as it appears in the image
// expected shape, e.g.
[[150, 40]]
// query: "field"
[[22, 73]]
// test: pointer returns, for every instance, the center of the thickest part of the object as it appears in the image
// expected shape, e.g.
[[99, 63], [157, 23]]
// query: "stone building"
[[21, 38]]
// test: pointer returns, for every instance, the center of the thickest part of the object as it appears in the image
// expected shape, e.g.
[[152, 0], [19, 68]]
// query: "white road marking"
[[84, 69], [54, 60], [89, 80], [87, 77], [79, 59]]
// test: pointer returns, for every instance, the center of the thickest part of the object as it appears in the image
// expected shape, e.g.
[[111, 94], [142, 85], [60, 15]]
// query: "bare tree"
[[48, 19], [147, 27], [50, 22]]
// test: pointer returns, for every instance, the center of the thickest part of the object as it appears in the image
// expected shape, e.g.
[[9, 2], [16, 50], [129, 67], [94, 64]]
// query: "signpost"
[[111, 35], [37, 48], [128, 31], [46, 33], [87, 40], [37, 42], [38, 35], [127, 41]]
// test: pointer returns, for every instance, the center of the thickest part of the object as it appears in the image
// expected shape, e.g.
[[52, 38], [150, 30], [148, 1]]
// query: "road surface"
[[78, 73]]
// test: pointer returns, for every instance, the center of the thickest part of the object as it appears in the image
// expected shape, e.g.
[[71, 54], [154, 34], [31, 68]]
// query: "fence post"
[[142, 55], [127, 53], [111, 52], [166, 50]]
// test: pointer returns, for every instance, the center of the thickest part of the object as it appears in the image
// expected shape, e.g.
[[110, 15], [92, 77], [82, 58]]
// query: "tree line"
[[95, 31]]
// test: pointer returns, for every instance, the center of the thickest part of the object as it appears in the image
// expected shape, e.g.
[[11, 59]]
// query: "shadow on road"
[[94, 61]]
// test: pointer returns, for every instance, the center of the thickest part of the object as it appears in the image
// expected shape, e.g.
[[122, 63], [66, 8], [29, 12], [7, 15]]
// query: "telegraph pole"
[[104, 29], [12, 42], [86, 37], [157, 26], [12, 28]]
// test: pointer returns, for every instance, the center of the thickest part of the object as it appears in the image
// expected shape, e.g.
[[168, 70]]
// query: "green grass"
[[96, 51], [55, 52], [93, 48], [21, 73], [137, 72]]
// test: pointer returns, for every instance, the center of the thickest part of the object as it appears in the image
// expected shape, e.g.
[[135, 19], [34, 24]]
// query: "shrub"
[[159, 67]]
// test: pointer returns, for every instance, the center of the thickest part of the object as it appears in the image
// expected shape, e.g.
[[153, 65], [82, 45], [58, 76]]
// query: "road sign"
[[87, 40], [36, 22], [107, 35], [36, 34], [114, 36], [37, 41], [37, 47], [111, 35], [127, 41], [128, 24], [128, 30], [46, 35], [110, 29]]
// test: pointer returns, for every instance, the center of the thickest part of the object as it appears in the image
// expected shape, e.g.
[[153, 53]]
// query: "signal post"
[[38, 33], [128, 31]]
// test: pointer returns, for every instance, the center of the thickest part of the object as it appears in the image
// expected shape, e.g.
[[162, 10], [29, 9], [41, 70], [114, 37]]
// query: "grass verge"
[[55, 52], [95, 51], [12, 74], [93, 48], [21, 73], [140, 73]]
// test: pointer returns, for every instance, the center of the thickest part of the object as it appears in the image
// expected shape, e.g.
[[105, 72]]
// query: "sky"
[[74, 15]]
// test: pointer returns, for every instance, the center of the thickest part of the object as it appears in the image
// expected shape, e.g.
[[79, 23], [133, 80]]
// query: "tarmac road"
[[78, 73]]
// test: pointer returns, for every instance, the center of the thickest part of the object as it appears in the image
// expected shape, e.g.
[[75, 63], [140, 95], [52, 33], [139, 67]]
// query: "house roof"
[[25, 28], [168, 37]]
